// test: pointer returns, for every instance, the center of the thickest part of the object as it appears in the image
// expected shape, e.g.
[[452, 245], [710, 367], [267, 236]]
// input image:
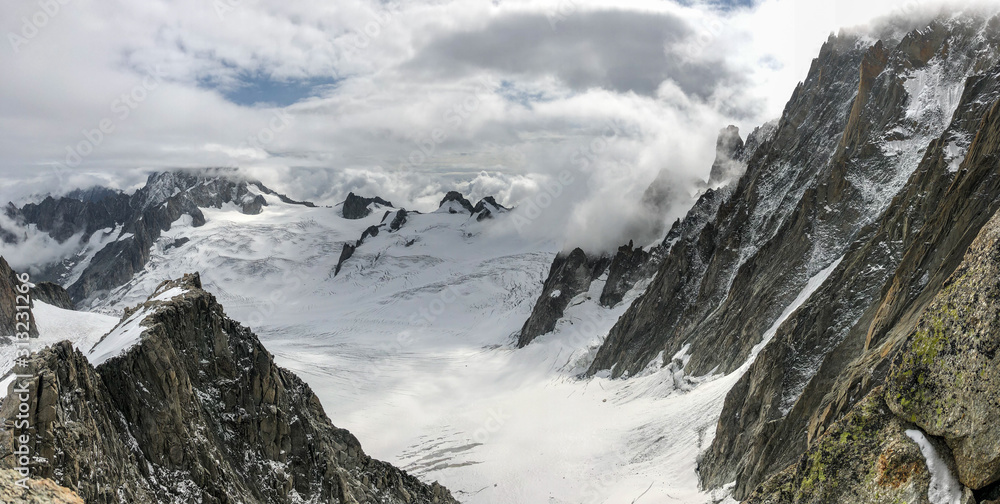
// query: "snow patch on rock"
[[944, 487]]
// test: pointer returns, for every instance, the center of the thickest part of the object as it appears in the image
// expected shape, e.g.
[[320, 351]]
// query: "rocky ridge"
[[880, 173], [570, 275], [453, 203], [185, 405], [358, 207], [126, 226]]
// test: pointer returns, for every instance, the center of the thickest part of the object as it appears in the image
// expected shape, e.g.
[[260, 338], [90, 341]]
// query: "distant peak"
[[455, 202], [728, 149], [487, 207], [359, 207]]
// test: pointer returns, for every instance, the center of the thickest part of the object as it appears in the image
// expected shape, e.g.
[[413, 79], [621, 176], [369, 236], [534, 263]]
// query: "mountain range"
[[822, 325]]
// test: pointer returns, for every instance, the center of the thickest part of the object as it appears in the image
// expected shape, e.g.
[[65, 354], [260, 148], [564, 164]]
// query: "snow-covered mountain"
[[818, 328]]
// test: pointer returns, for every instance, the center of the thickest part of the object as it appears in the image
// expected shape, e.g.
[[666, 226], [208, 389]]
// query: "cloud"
[[409, 100], [624, 51]]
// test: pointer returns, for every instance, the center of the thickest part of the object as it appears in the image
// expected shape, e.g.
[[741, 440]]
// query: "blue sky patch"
[[263, 90]]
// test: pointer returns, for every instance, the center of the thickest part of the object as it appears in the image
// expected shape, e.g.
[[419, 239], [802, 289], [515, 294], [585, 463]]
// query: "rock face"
[[487, 208], [38, 492], [134, 222], [835, 348], [728, 150], [9, 292], [454, 202], [195, 411], [877, 178], [571, 274], [53, 294], [946, 378], [357, 207], [628, 266], [943, 381], [865, 458]]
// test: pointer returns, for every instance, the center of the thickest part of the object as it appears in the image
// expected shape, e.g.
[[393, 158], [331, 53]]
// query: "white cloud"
[[410, 116]]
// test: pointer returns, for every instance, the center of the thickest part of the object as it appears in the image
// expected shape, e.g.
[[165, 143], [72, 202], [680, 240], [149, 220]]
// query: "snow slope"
[[410, 348], [55, 325]]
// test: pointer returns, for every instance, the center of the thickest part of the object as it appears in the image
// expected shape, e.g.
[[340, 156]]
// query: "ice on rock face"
[[944, 487]]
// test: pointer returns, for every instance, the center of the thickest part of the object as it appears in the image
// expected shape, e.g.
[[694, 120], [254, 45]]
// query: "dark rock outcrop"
[[53, 294], [10, 290], [487, 208], [357, 207], [398, 220], [195, 411], [345, 254], [570, 275], [627, 267], [454, 202]]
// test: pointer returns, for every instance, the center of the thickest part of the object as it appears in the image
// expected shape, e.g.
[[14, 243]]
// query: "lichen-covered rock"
[[865, 458], [947, 378]]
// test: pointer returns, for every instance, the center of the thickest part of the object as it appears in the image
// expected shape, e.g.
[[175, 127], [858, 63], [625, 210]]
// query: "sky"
[[571, 105]]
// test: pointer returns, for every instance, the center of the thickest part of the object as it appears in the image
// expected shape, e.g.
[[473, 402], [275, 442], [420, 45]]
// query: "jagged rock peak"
[[728, 149], [9, 302], [570, 275], [487, 208], [629, 265], [52, 294], [192, 408], [455, 202], [358, 207]]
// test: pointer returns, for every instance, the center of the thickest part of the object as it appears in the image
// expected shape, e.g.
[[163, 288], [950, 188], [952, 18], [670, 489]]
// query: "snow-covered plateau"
[[411, 348]]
